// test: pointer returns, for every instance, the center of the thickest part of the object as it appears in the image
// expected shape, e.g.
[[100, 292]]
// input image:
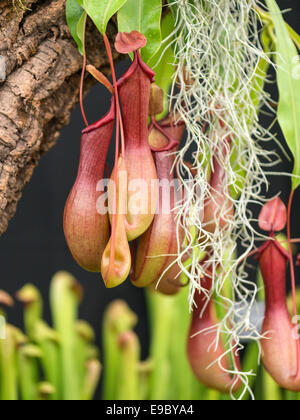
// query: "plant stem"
[[85, 338], [48, 342], [28, 371], [93, 372], [115, 86], [82, 76], [8, 366], [117, 319], [128, 376], [31, 298], [183, 383], [161, 309], [64, 299]]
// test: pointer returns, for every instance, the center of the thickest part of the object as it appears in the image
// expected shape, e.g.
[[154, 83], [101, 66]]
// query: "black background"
[[34, 248]]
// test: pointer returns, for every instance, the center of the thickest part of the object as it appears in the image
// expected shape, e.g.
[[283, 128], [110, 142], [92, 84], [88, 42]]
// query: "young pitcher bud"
[[156, 104], [279, 347], [280, 343]]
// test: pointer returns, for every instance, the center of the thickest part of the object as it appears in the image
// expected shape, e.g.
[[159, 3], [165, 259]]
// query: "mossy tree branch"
[[39, 85]]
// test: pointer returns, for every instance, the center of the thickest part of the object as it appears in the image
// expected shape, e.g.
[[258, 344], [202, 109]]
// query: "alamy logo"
[[2, 328], [138, 196]]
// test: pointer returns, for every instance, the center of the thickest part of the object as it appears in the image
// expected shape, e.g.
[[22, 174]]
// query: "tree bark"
[[39, 86]]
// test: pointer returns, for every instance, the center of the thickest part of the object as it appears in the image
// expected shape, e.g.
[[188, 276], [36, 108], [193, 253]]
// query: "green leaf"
[[143, 16], [163, 61], [256, 88], [80, 29], [293, 34], [101, 11], [74, 14], [261, 71], [289, 87]]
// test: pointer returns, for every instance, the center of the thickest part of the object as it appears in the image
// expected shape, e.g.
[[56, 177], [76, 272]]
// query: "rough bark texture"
[[40, 89]]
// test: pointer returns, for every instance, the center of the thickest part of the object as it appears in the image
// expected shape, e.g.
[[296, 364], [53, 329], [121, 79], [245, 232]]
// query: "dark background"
[[34, 248]]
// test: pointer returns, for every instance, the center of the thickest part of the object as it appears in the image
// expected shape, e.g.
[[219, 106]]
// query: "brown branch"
[[41, 87]]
